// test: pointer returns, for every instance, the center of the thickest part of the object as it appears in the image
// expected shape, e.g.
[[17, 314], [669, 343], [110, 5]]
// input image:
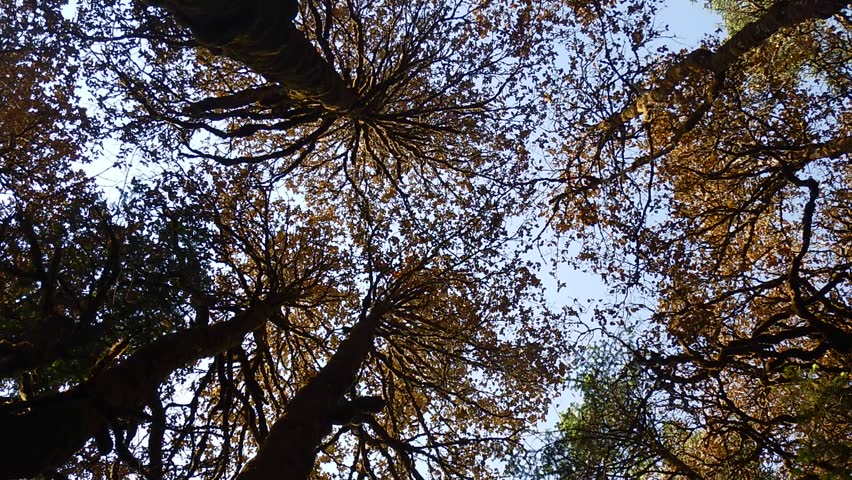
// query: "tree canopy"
[[718, 184], [327, 252]]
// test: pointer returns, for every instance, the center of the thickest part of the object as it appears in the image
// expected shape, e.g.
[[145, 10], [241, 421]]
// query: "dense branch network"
[[341, 274], [717, 191]]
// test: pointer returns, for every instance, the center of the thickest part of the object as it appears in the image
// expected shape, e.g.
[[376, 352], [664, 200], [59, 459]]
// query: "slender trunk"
[[782, 14], [290, 449], [45, 433], [261, 35]]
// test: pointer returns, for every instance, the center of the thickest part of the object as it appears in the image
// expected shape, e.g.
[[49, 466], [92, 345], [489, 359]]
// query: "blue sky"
[[688, 22]]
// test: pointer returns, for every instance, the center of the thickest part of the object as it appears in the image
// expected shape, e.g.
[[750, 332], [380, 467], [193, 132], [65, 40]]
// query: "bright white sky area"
[[688, 23]]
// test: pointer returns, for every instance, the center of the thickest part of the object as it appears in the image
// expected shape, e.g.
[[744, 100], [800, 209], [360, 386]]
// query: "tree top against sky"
[[328, 261]]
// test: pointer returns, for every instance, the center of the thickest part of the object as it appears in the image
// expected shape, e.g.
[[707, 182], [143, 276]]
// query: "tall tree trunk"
[[45, 433], [261, 35], [290, 449], [782, 14]]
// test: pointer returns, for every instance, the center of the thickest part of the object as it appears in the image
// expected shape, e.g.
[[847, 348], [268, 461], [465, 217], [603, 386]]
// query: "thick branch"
[[44, 434], [267, 96], [782, 14], [290, 449], [261, 35]]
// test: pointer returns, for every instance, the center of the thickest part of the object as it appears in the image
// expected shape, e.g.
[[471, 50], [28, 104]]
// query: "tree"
[[712, 184], [152, 337], [260, 280], [246, 306], [263, 37], [616, 431], [625, 428], [431, 85], [335, 214], [807, 50]]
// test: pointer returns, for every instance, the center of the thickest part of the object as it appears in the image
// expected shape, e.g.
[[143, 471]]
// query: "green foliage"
[[602, 437], [806, 54], [822, 405], [738, 13]]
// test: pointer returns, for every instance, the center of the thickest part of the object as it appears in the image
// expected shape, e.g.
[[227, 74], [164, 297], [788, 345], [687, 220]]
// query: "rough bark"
[[782, 14], [261, 35], [44, 434], [290, 449]]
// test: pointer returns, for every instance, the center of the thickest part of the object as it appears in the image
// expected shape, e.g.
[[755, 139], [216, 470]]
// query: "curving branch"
[[51, 430], [782, 14]]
